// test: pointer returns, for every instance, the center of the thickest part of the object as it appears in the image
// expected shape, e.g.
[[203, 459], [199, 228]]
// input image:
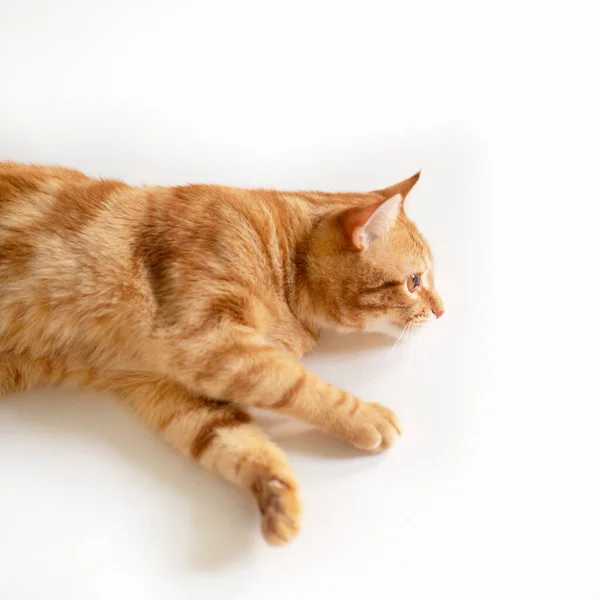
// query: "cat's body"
[[190, 302]]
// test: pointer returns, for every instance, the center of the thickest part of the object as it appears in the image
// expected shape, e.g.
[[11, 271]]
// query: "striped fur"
[[192, 302]]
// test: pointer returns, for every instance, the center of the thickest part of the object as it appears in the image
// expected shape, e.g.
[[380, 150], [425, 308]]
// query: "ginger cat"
[[192, 302]]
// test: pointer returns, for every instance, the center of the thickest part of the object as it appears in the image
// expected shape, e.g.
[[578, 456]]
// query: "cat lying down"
[[191, 303]]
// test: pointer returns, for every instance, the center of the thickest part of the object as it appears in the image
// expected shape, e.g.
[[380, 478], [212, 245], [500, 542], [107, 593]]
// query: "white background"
[[493, 490]]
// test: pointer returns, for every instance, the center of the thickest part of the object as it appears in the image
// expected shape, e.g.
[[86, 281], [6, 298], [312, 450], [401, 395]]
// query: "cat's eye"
[[413, 282]]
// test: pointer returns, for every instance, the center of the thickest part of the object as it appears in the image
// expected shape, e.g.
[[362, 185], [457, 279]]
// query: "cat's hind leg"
[[223, 438], [219, 435]]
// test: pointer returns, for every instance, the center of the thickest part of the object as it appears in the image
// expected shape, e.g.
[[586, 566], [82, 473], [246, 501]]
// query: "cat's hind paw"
[[280, 507]]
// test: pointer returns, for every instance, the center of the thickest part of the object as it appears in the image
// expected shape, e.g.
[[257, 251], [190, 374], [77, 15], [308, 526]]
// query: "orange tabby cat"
[[192, 302]]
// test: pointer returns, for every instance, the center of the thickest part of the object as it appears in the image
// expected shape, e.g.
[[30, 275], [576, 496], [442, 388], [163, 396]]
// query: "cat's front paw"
[[375, 428]]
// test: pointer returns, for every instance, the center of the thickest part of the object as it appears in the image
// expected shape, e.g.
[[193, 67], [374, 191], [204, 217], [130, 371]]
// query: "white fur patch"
[[384, 326]]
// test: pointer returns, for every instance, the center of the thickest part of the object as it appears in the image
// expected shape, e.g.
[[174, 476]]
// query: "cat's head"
[[369, 268]]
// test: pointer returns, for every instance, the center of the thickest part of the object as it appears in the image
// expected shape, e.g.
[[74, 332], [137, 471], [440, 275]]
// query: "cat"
[[190, 303]]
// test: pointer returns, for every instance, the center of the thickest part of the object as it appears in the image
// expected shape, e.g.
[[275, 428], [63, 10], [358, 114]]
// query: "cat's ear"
[[402, 188], [364, 225]]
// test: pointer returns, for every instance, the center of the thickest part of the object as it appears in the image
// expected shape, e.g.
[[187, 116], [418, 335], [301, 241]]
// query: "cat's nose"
[[438, 312]]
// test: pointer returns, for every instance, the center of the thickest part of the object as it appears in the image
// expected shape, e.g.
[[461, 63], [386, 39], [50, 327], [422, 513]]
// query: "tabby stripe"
[[218, 360], [15, 256], [89, 378], [342, 399], [166, 421], [207, 434], [291, 393], [239, 464], [244, 382]]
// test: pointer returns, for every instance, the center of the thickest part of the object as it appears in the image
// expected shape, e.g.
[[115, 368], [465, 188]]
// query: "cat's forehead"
[[414, 264], [411, 246]]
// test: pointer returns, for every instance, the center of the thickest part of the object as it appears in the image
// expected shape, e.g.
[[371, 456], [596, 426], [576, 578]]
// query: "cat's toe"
[[281, 509], [379, 430]]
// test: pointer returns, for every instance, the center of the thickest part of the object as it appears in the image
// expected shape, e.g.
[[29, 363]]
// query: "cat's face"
[[373, 269]]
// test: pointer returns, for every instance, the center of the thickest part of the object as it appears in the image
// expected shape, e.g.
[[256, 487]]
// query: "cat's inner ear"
[[364, 225]]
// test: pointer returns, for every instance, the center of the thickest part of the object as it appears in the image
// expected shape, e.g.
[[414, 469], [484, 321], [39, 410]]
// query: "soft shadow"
[[299, 438], [318, 443], [351, 343], [222, 521]]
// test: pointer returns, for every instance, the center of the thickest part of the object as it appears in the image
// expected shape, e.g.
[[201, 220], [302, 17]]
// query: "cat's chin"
[[385, 327], [382, 326]]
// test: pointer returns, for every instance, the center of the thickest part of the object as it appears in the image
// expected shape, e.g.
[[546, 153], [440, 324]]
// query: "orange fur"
[[190, 302]]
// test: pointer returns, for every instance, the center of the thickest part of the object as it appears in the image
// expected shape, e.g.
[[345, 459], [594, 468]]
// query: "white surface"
[[493, 491]]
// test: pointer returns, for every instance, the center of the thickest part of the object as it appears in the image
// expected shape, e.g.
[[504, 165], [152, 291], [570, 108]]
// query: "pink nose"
[[438, 313]]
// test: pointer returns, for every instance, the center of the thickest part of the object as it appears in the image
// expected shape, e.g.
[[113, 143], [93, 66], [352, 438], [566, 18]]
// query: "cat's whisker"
[[391, 350], [409, 332], [400, 337]]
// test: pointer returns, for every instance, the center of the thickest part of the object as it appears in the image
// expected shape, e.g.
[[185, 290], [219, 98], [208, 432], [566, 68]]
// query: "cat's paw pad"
[[377, 429], [280, 507]]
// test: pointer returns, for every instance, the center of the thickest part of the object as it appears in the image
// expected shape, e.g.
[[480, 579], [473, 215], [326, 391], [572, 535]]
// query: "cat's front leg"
[[246, 369]]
